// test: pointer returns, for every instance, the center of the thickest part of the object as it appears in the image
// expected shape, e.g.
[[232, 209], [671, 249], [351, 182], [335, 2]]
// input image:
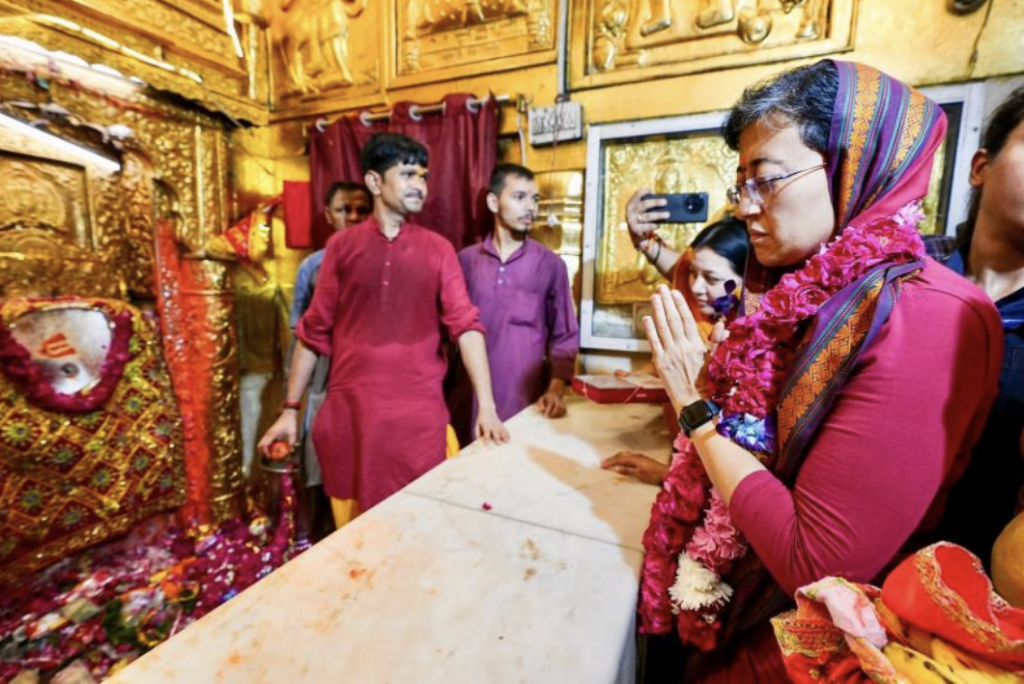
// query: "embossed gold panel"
[[559, 225], [618, 41], [324, 50], [55, 214], [46, 194], [434, 40], [185, 48]]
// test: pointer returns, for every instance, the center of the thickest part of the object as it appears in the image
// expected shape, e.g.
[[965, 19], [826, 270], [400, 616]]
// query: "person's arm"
[[286, 427], [316, 327], [643, 220], [880, 462], [473, 349], [312, 339], [462, 319], [552, 402], [563, 340], [645, 469], [302, 295]]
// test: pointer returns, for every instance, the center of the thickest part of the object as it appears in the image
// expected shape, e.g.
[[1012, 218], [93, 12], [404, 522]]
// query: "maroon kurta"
[[378, 310]]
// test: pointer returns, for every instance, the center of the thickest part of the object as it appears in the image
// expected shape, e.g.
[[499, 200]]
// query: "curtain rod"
[[416, 111]]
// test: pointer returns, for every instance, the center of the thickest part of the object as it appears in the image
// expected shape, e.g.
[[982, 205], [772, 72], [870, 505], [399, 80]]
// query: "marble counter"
[[430, 587]]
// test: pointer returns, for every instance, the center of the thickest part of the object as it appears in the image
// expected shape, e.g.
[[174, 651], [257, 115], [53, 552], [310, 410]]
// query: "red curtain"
[[463, 148], [298, 215]]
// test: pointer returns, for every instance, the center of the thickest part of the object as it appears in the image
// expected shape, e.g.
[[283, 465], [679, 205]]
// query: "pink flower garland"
[[746, 375]]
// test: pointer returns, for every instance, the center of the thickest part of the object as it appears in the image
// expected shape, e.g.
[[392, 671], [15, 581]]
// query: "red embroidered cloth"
[[77, 469]]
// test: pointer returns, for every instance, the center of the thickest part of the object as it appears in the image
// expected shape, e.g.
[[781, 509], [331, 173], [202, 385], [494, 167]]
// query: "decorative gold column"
[[197, 309]]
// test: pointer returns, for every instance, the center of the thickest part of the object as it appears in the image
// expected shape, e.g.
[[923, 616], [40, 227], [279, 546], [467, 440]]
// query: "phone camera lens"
[[694, 204]]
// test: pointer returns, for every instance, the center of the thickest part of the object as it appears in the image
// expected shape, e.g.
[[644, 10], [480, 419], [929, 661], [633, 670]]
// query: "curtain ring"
[[363, 118], [414, 113], [474, 105], [321, 124]]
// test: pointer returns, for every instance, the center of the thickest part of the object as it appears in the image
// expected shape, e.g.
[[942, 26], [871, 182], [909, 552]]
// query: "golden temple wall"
[[919, 41]]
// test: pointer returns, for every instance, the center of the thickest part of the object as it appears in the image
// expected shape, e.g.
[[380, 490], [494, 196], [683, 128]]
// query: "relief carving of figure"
[[427, 16], [755, 24], [753, 18], [812, 24], [538, 21], [609, 34], [716, 12], [31, 200], [472, 11], [712, 13], [312, 41]]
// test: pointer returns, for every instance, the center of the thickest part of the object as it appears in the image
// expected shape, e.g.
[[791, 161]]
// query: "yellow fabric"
[[451, 443], [346, 510]]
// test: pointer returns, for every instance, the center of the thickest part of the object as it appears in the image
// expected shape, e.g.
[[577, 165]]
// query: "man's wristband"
[[293, 405]]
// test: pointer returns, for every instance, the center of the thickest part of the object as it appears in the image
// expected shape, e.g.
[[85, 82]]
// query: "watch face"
[[696, 414]]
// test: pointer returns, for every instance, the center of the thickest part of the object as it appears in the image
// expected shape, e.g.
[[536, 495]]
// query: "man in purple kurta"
[[522, 291]]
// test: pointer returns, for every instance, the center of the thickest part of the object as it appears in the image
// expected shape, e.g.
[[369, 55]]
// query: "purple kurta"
[[526, 306]]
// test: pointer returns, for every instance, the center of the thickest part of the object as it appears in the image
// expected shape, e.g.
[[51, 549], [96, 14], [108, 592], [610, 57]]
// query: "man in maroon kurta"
[[387, 287]]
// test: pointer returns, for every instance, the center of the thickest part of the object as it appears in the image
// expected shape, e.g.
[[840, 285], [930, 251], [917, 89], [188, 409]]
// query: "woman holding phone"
[[710, 276]]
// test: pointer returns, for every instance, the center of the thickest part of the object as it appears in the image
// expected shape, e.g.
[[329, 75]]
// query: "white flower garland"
[[696, 587]]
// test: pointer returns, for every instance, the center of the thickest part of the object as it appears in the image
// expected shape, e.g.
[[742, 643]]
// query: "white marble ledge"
[[549, 474], [420, 591]]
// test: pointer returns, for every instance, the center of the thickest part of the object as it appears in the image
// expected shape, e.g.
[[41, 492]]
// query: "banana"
[[970, 667], [919, 668]]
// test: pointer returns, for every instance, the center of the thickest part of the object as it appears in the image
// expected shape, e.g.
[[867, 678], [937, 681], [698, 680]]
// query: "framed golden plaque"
[[47, 195], [673, 155], [325, 52], [619, 41], [949, 190], [437, 40]]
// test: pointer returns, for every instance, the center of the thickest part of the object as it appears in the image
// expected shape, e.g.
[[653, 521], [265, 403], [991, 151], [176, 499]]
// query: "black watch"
[[696, 414]]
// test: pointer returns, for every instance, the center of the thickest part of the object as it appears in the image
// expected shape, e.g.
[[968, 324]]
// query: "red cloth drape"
[[298, 216], [178, 317], [463, 150]]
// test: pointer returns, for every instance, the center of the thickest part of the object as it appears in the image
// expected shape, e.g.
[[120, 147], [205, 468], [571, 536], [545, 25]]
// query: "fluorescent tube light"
[[108, 165]]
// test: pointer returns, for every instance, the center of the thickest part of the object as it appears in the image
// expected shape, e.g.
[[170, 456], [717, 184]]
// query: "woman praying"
[[845, 400]]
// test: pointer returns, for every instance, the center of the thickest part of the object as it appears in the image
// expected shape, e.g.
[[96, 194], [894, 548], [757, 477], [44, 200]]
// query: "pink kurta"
[[896, 439], [380, 309]]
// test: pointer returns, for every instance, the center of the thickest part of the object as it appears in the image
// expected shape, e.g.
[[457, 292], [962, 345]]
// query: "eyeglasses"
[[760, 189]]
